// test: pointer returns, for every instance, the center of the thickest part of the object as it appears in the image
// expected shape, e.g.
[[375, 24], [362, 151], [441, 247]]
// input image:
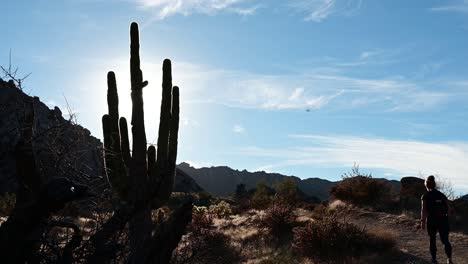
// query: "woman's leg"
[[444, 237], [432, 232], [433, 245]]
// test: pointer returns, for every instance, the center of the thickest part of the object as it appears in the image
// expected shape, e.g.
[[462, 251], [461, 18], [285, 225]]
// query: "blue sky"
[[300, 87]]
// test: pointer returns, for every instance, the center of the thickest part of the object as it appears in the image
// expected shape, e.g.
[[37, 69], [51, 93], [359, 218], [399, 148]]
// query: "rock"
[[412, 188]]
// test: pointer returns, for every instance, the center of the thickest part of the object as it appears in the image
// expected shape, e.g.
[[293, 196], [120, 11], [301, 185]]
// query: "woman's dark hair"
[[430, 182]]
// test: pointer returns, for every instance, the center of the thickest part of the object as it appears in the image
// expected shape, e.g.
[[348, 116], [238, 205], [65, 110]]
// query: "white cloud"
[[199, 164], [319, 10], [166, 8], [400, 157], [460, 6], [238, 129]]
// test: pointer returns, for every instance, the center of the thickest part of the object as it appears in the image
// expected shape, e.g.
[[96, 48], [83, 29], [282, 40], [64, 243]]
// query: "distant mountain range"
[[223, 180]]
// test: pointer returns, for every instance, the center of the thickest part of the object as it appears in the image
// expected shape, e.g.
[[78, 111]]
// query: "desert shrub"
[[201, 218], [204, 199], [262, 196], [278, 220], [320, 211], [221, 209], [7, 203], [204, 243], [241, 206], [362, 190], [287, 192], [242, 199], [333, 240], [241, 191]]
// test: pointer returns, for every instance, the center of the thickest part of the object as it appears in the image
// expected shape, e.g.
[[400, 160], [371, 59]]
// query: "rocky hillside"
[[63, 148], [223, 180]]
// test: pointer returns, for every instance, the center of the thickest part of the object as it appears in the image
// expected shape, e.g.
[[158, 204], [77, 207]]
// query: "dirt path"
[[413, 241]]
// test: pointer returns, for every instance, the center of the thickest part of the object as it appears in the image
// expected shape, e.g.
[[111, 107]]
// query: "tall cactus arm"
[[165, 115], [174, 128], [113, 106], [125, 145], [138, 166], [115, 168], [137, 84], [136, 73], [167, 177]]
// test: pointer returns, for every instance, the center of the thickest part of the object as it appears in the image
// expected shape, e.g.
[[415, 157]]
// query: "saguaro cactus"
[[141, 178]]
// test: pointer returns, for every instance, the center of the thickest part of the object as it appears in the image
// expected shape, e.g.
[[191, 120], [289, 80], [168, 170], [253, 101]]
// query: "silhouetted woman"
[[434, 213]]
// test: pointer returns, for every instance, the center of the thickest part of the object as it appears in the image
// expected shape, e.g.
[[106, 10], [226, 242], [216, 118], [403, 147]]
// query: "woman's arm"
[[423, 214]]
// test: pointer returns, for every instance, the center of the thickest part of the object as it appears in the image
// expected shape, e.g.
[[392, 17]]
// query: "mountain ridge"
[[222, 180]]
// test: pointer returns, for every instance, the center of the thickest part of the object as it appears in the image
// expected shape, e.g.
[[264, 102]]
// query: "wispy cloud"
[[314, 89], [166, 8], [319, 10], [314, 10], [459, 6], [399, 157], [238, 129]]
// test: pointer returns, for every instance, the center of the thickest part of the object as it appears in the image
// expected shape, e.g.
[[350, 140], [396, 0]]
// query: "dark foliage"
[[362, 190], [333, 240], [205, 244], [279, 220]]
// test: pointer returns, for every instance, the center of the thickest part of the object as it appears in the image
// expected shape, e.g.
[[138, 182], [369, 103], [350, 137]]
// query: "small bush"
[[201, 219], [262, 196], [241, 192], [330, 239], [204, 243], [241, 206], [221, 210], [7, 203], [287, 192], [279, 220], [204, 199]]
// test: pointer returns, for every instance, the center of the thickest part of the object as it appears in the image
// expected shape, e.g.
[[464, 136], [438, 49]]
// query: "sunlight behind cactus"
[[141, 176]]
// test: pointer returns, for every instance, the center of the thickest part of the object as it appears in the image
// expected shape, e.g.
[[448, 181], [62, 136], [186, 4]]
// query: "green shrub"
[[241, 192], [221, 209], [262, 196], [362, 190], [287, 192], [204, 199]]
